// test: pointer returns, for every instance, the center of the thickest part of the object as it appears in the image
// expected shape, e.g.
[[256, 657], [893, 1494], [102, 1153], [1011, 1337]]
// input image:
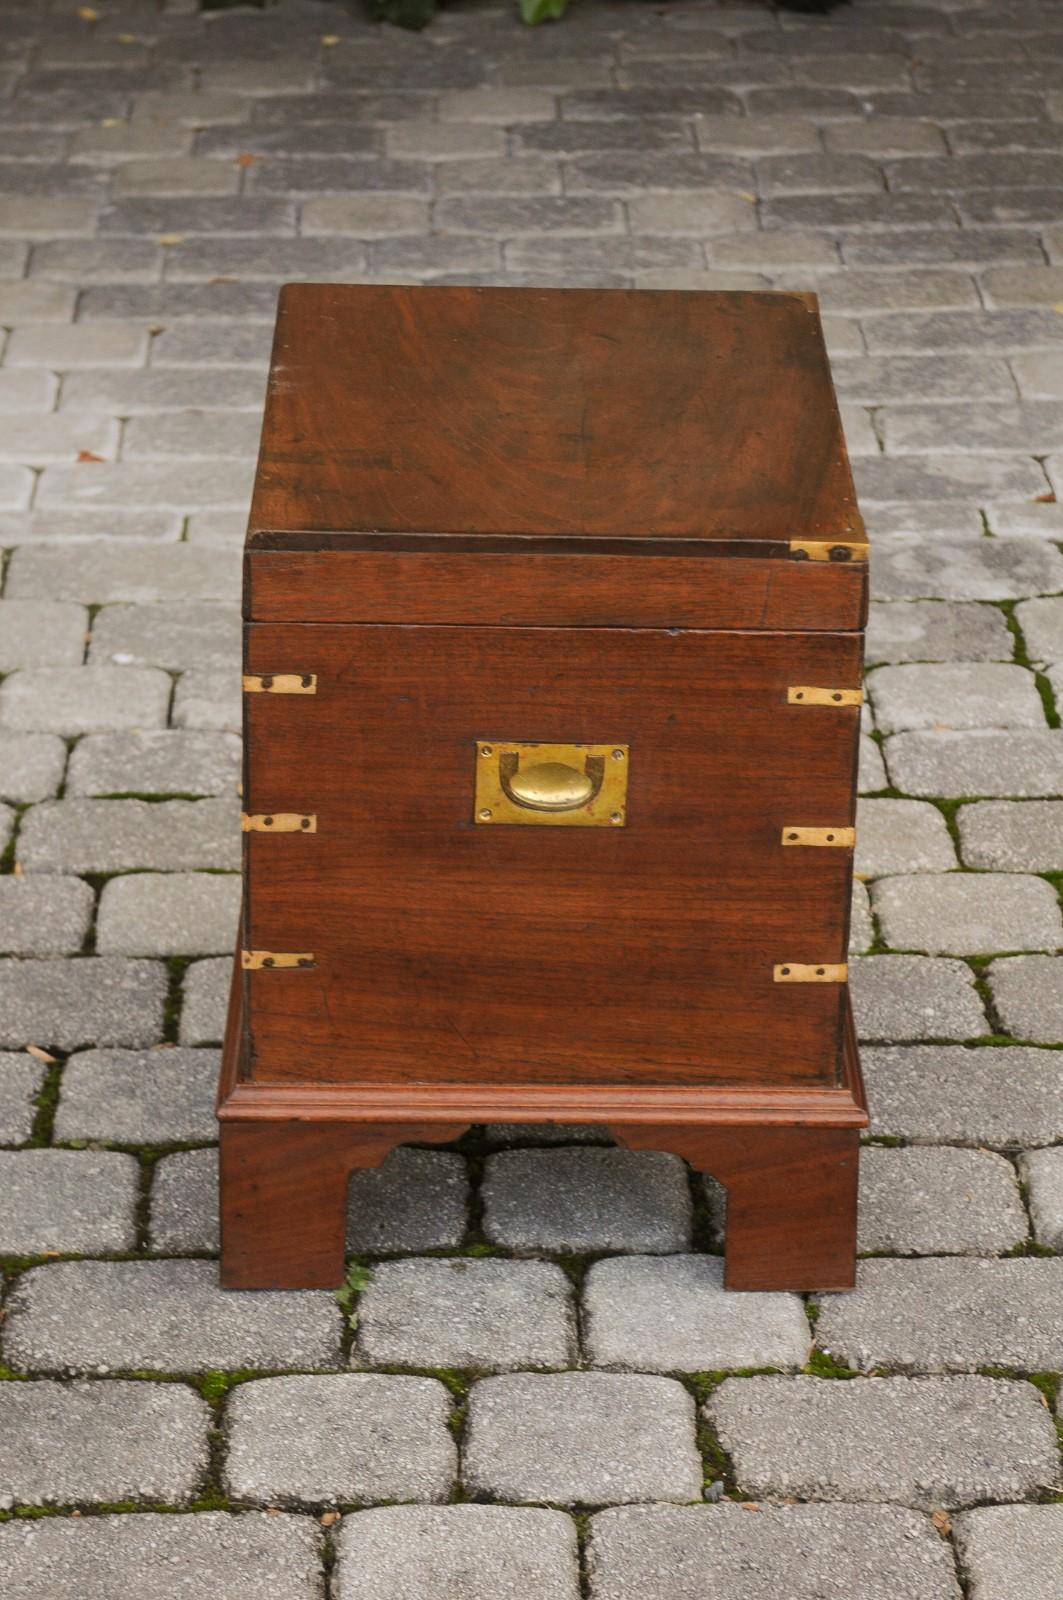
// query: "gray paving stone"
[[214, 344], [78, 1443], [414, 1200], [1031, 428], [139, 1097], [94, 1000], [1010, 1097], [127, 141], [151, 762], [546, 1133], [43, 916], [586, 1200], [925, 1201], [30, 216], [119, 835], [168, 1316], [204, 1001], [1042, 1173], [23, 391], [73, 700], [16, 487], [66, 1200], [214, 1553], [38, 633], [960, 476], [437, 1553], [955, 695], [209, 700], [354, 1438], [184, 1203], [773, 252], [921, 1442], [21, 1077], [1041, 622], [484, 1314], [174, 175], [901, 836], [872, 773], [722, 1552], [581, 1438], [935, 630], [948, 1314], [968, 913], [87, 526], [238, 214], [184, 571], [915, 997], [1023, 286], [672, 1314], [193, 634], [980, 761], [1024, 520], [81, 344], [146, 393], [181, 434], [986, 569], [180, 913], [883, 136], [1028, 995], [1012, 1550], [1040, 377], [861, 927], [37, 440], [88, 261]]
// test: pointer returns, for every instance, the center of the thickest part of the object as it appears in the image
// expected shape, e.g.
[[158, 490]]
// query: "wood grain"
[[558, 590], [454, 410], [450, 953]]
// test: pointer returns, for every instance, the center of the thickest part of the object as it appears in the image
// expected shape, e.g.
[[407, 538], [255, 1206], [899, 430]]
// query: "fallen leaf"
[[111, 122], [1044, 499], [329, 1518], [744, 194], [750, 1505], [329, 39], [87, 14], [88, 455], [942, 1522], [127, 38], [38, 1054], [1058, 307], [16, 870], [170, 238], [246, 159]]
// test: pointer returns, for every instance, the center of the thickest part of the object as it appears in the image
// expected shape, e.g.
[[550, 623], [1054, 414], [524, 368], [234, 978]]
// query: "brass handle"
[[525, 782], [549, 785]]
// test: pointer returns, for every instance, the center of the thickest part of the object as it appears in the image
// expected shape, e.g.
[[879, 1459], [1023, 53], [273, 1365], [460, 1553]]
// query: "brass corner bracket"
[[278, 822], [838, 838], [807, 694], [256, 960], [829, 549], [796, 972], [280, 683]]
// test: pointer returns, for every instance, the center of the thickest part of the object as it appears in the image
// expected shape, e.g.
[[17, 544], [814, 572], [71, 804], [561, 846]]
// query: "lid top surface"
[[608, 413]]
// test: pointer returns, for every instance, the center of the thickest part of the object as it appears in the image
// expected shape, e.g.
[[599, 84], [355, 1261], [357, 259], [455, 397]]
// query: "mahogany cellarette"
[[554, 609]]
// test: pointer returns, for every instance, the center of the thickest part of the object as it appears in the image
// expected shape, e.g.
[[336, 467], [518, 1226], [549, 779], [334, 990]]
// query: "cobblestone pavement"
[[535, 1384]]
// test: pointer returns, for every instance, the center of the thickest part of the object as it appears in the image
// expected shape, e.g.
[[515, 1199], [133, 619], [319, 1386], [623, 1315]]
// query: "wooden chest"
[[554, 611]]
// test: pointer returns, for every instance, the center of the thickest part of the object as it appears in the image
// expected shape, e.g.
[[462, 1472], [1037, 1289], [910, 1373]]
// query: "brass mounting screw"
[[486, 750], [485, 815], [618, 755], [616, 817]]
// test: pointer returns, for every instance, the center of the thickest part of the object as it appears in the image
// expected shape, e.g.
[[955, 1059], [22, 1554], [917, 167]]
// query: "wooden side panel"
[[579, 591], [450, 953]]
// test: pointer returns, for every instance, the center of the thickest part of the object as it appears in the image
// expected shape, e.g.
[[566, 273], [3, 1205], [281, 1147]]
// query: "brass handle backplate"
[[550, 785]]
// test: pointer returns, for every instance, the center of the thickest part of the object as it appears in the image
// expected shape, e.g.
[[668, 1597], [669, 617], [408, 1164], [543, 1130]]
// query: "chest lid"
[[467, 421]]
